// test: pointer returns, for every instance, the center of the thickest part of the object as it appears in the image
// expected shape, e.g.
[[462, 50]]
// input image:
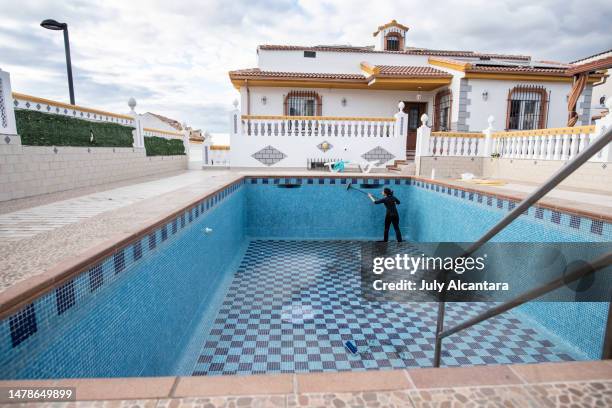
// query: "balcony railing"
[[318, 126], [455, 144], [544, 144]]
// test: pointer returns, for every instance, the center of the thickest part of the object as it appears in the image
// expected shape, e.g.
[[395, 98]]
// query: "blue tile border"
[[24, 323]]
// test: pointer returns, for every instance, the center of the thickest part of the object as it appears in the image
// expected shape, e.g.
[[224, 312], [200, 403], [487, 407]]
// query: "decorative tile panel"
[[3, 117], [378, 154], [269, 155], [325, 146]]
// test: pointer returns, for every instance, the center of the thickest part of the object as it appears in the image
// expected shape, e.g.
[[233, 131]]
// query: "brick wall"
[[31, 170]]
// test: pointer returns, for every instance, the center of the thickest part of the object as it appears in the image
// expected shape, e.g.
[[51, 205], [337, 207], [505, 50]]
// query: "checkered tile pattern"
[[293, 304]]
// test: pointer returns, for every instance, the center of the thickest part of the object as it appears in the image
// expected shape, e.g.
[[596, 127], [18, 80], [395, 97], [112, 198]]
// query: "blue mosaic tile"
[[119, 261], [137, 250], [23, 325], [64, 297], [96, 278], [153, 238], [597, 227], [275, 321]]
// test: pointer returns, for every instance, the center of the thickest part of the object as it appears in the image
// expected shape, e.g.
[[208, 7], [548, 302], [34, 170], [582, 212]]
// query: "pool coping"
[[93, 389], [21, 293]]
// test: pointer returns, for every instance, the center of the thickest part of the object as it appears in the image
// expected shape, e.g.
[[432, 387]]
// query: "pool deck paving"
[[568, 384]]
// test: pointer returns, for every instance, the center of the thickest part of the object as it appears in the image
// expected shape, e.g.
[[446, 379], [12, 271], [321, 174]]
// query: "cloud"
[[173, 57]]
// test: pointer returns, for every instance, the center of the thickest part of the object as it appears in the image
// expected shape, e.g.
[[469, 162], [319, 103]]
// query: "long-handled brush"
[[350, 186]]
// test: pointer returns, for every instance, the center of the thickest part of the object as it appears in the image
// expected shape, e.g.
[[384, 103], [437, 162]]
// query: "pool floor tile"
[[293, 305]]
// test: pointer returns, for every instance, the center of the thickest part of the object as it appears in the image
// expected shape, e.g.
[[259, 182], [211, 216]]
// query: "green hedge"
[[158, 146], [45, 129]]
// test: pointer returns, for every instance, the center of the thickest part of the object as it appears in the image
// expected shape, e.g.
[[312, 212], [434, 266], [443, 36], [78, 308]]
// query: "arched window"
[[393, 42], [442, 110], [303, 103], [527, 108]]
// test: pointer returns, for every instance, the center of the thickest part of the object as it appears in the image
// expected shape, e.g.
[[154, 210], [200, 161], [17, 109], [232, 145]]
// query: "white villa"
[[352, 91]]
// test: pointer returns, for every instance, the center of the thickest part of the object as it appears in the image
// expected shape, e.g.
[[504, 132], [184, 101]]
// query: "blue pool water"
[[274, 288]]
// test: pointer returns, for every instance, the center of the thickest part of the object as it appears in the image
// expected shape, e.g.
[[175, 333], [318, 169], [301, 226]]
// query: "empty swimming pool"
[[263, 277]]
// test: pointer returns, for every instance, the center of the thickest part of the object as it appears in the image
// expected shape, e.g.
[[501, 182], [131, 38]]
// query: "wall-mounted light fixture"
[[419, 96], [343, 102], [485, 95], [264, 100]]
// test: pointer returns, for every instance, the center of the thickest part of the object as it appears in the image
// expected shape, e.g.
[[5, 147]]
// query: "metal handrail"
[[598, 144]]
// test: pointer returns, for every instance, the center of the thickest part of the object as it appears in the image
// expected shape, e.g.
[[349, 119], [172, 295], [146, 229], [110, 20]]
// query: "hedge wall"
[[45, 129], [158, 146]]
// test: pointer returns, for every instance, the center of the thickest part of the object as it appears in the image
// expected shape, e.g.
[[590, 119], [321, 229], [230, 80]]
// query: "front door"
[[414, 111]]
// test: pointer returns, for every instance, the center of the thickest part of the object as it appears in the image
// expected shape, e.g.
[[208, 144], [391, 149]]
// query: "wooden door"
[[414, 111]]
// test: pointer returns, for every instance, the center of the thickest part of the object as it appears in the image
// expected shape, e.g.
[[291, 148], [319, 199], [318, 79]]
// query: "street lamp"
[[54, 25]]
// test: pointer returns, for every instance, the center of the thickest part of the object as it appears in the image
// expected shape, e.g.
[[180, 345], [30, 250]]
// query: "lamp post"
[[56, 26]]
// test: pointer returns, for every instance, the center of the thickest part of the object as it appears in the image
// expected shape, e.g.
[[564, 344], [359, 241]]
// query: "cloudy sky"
[[173, 56]]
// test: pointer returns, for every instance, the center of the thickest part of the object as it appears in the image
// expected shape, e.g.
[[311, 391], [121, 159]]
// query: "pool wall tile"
[[34, 341]]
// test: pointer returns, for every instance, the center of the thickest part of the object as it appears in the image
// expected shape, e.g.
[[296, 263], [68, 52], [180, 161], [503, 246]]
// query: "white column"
[[423, 136], [8, 127], [137, 133], [401, 129], [206, 149], [488, 138], [235, 120], [186, 141]]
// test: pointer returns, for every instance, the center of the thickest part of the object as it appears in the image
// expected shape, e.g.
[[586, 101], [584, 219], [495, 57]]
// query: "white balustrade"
[[455, 144], [318, 126], [544, 144]]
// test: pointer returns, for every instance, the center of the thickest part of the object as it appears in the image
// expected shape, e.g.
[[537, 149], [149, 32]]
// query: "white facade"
[[359, 103], [360, 83], [383, 103]]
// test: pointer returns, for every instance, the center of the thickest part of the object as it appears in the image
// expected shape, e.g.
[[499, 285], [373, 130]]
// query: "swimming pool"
[[262, 276]]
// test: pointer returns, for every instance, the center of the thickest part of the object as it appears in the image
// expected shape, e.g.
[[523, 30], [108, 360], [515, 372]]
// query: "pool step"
[[404, 167]]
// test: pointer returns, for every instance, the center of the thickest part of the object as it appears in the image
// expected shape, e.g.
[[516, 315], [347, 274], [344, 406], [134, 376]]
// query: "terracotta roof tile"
[[517, 69], [257, 73], [407, 70], [408, 51]]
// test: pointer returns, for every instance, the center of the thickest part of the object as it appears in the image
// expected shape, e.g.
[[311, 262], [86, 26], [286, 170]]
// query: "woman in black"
[[392, 217]]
